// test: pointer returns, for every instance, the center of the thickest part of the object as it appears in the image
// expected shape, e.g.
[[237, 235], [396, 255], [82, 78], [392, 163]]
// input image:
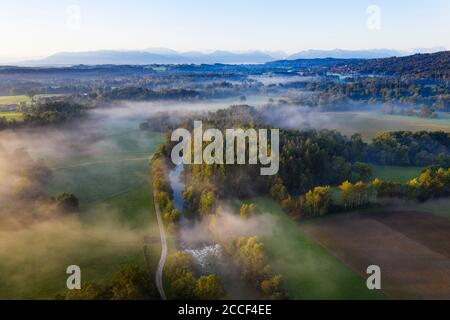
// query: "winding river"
[[208, 256]]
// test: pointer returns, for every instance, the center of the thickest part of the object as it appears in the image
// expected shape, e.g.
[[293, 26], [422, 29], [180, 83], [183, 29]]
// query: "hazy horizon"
[[37, 30]]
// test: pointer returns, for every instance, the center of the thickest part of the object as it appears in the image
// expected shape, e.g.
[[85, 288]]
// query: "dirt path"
[[162, 260]]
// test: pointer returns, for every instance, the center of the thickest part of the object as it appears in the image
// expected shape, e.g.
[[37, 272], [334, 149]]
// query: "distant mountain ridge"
[[158, 56], [169, 56], [430, 67], [359, 54]]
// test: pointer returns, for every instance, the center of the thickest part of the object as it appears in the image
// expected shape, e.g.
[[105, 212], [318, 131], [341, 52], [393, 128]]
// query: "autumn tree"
[[318, 201], [88, 291], [207, 202], [362, 193], [67, 202], [132, 283], [252, 259], [209, 288], [348, 195], [272, 288], [247, 210], [278, 190], [183, 285]]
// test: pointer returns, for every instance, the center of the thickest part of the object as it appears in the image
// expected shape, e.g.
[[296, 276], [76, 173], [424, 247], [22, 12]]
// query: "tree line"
[[308, 159], [433, 183], [129, 283], [405, 148], [249, 256], [310, 162], [163, 191], [360, 92], [46, 113]]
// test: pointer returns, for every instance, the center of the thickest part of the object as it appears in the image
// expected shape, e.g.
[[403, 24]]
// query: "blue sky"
[[38, 28]]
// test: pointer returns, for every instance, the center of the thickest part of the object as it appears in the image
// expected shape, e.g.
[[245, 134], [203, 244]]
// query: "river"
[[207, 254]]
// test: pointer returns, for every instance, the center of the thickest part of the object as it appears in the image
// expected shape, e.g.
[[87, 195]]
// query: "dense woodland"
[[52, 112], [46, 113], [144, 94], [419, 66], [364, 92], [321, 172], [415, 86], [316, 157], [433, 183], [310, 162], [405, 148]]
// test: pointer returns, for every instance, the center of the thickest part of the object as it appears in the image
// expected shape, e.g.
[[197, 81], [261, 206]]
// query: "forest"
[[313, 160]]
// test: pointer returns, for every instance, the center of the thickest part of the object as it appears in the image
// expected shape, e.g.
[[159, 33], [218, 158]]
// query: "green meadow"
[[17, 116], [309, 271], [395, 173], [117, 221], [371, 123], [4, 100]]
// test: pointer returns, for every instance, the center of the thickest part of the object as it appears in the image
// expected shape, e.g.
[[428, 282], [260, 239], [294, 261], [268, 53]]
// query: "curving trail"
[[162, 260]]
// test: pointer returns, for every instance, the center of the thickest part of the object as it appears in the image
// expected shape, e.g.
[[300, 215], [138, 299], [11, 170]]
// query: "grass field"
[[113, 236], [49, 95], [5, 100], [394, 173], [309, 271], [121, 164], [122, 187], [17, 116], [371, 123], [116, 221], [14, 99]]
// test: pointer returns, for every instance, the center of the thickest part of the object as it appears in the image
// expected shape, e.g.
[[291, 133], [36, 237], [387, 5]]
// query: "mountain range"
[[155, 56], [168, 56], [360, 54]]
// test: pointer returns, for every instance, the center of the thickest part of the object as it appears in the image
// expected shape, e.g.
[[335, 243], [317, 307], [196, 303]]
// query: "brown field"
[[412, 249]]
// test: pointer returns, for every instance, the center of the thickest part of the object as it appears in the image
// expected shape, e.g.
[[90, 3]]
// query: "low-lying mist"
[[305, 117], [34, 258], [224, 226], [37, 240]]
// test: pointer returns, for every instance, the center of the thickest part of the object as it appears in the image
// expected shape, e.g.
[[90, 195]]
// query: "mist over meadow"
[[37, 238]]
